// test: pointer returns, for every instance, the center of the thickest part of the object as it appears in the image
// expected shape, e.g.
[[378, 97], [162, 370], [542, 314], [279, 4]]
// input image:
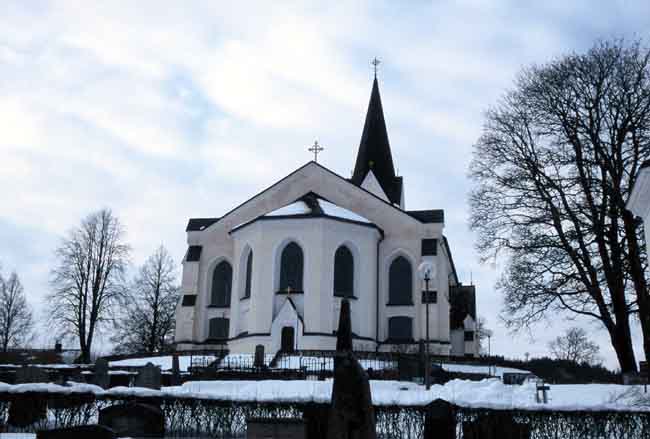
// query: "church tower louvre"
[[374, 159]]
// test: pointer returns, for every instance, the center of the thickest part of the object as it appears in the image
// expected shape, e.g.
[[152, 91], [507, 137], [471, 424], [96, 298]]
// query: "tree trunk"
[[622, 343]]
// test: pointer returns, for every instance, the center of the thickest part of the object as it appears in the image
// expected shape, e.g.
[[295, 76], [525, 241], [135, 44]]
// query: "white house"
[[639, 201], [273, 270]]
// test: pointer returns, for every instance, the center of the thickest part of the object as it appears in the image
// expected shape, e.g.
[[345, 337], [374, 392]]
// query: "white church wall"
[[265, 237]]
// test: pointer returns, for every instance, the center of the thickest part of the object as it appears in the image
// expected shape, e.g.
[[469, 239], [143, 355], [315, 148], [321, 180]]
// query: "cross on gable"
[[316, 149]]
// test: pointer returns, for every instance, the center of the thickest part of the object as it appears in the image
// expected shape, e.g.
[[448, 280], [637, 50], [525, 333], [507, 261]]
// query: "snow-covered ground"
[[165, 361], [489, 393]]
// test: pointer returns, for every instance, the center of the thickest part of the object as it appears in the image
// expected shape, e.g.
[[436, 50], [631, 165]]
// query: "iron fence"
[[227, 419]]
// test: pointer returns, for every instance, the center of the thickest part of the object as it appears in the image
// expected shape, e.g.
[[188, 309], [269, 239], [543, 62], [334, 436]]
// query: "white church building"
[[273, 270]]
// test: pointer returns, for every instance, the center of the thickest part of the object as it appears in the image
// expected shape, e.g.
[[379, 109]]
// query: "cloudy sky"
[[163, 111]]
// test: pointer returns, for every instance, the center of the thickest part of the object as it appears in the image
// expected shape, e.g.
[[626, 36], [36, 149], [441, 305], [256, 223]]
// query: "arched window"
[[219, 328], [249, 275], [400, 328], [400, 283], [343, 272], [291, 266], [221, 285]]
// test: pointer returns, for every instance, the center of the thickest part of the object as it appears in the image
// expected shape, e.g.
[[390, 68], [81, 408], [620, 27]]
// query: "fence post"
[[440, 421]]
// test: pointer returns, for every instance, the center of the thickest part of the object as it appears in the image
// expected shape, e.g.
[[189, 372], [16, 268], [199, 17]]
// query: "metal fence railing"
[[188, 416]]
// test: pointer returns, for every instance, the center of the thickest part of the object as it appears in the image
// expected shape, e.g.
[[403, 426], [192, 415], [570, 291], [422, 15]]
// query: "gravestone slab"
[[176, 371], [27, 410], [134, 419], [352, 415], [80, 432], [275, 428], [149, 376], [101, 377], [30, 374], [495, 426], [259, 356], [440, 421]]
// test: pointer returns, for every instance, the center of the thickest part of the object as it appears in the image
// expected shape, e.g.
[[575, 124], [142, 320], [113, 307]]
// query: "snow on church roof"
[[312, 206], [322, 208]]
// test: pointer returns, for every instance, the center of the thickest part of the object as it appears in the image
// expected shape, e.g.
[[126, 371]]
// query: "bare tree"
[[553, 169], [147, 320], [16, 321], [88, 280], [482, 333], [574, 345]]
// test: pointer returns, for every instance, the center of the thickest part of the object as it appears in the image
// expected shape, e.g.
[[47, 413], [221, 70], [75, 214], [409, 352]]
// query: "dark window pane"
[[343, 272], [221, 284], [189, 300], [291, 266], [400, 285], [400, 328], [219, 328], [249, 274], [469, 335]]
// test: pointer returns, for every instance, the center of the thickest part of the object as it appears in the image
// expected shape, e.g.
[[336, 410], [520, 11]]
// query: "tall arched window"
[[343, 272], [219, 328], [249, 275], [400, 283], [221, 285], [291, 266], [400, 328]]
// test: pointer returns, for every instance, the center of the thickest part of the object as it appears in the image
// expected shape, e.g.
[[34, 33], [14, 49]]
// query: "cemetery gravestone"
[[81, 432], [259, 356], [176, 370], [352, 415], [26, 410], [30, 374], [275, 428], [149, 377], [101, 378], [494, 425], [133, 419], [440, 421]]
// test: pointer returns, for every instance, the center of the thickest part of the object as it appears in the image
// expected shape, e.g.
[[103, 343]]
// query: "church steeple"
[[374, 151]]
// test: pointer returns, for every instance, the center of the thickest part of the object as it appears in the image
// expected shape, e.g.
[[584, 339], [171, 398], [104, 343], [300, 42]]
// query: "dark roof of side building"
[[428, 216], [198, 224], [462, 300]]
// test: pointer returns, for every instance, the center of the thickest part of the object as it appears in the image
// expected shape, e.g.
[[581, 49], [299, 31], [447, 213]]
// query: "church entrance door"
[[287, 343]]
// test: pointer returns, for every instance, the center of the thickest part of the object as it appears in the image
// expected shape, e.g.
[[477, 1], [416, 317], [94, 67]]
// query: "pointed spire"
[[374, 150]]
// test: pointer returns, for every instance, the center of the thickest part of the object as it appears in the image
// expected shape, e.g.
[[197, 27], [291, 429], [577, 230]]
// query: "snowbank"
[[490, 393]]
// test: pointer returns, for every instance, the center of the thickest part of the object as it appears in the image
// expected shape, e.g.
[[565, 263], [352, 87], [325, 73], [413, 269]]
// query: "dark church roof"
[[374, 151], [462, 301], [428, 216], [198, 224]]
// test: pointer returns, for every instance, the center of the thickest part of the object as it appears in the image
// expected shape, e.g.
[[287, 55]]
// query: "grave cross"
[[316, 149]]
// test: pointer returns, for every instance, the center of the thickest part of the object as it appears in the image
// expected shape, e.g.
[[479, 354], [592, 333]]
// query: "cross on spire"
[[316, 149], [375, 62]]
